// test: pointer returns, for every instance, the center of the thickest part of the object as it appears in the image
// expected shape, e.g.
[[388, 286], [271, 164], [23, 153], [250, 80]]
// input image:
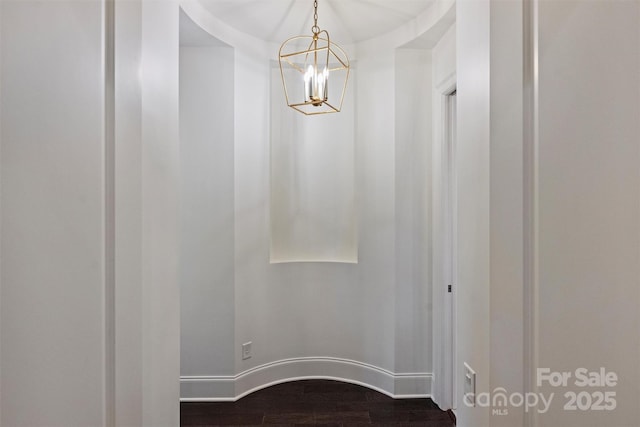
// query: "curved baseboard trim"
[[233, 387]]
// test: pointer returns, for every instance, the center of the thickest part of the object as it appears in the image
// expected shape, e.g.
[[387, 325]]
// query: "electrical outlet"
[[469, 386], [246, 350]]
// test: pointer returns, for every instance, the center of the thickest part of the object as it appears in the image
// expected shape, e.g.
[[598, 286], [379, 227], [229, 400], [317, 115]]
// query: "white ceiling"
[[347, 21]]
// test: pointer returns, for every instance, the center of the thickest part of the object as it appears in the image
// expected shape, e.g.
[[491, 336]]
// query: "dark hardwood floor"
[[319, 402]]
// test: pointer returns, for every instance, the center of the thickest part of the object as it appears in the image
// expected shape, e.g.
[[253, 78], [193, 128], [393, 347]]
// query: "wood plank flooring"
[[319, 402]]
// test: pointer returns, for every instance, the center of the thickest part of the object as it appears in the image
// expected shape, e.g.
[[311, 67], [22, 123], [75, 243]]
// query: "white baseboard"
[[232, 388]]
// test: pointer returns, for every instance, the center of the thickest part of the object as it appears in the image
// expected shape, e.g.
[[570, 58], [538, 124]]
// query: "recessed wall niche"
[[312, 197]]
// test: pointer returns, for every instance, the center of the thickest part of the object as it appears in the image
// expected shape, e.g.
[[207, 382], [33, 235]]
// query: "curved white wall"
[[207, 234], [367, 322]]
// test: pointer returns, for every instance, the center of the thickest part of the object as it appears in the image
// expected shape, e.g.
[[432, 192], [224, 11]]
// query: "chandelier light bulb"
[[316, 85]]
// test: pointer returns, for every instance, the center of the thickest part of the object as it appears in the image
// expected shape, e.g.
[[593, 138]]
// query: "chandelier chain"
[[315, 29]]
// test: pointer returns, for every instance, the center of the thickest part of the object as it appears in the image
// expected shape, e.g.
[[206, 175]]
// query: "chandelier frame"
[[292, 57]]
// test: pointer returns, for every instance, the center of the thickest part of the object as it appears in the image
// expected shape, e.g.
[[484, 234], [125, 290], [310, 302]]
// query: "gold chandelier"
[[306, 62]]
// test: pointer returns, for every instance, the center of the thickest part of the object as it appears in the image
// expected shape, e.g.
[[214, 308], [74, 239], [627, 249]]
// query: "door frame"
[[444, 249]]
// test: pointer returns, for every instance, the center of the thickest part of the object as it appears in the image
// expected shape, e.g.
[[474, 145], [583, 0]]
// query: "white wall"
[[160, 206], [507, 192], [491, 192], [89, 331], [52, 199], [207, 210], [588, 211], [128, 217], [472, 37], [1, 35], [581, 177], [413, 91]]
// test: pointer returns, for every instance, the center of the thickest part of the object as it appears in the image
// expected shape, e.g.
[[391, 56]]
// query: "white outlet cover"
[[246, 350], [469, 395]]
